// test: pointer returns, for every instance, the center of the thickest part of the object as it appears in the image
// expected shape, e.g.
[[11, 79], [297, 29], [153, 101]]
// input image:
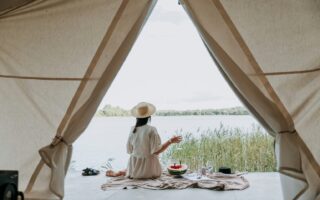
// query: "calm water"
[[106, 137]]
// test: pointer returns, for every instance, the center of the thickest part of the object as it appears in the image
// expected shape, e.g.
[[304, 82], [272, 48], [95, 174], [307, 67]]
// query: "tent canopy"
[[59, 57], [10, 4]]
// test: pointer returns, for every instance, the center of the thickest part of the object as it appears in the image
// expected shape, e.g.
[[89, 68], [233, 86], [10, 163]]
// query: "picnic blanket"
[[215, 181]]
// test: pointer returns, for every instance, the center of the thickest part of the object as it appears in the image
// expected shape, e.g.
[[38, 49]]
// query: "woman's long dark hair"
[[141, 122]]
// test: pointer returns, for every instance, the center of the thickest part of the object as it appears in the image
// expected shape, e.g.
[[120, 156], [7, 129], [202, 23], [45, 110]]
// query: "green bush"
[[251, 150]]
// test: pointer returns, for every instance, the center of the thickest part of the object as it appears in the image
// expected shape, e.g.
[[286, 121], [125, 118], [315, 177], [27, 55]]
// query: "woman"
[[144, 146]]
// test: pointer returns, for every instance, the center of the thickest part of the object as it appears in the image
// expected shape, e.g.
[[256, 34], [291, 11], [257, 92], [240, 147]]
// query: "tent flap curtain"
[[69, 53], [246, 59], [81, 117]]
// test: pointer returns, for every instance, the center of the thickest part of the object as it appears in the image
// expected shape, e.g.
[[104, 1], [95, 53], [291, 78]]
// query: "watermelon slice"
[[177, 169]]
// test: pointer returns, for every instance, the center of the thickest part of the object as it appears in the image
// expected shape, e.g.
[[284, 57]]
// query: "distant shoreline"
[[116, 111]]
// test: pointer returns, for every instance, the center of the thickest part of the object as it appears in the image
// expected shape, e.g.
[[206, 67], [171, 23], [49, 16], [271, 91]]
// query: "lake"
[[106, 137]]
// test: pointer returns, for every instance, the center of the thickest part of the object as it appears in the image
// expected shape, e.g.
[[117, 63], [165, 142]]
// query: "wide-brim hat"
[[143, 110]]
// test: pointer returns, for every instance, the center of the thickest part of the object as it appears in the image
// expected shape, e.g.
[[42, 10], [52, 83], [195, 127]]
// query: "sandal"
[[90, 172]]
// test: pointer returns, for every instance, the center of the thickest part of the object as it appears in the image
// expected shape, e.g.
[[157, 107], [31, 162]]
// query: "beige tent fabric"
[[57, 60], [271, 60], [9, 5]]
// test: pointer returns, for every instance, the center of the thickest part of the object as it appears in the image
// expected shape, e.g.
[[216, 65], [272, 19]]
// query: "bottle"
[[203, 171]]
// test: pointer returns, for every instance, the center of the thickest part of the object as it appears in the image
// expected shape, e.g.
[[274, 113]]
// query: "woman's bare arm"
[[164, 146]]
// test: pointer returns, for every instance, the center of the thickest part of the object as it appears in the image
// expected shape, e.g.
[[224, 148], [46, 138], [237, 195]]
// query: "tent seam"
[[286, 72], [47, 78]]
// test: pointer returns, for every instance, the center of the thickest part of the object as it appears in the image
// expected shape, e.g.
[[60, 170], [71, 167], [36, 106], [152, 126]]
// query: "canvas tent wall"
[[269, 52], [58, 58]]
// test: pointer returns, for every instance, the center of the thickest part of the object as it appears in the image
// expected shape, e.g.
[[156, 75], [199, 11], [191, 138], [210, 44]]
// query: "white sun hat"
[[143, 110]]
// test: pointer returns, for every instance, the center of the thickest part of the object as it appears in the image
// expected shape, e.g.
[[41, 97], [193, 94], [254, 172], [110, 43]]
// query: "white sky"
[[170, 67]]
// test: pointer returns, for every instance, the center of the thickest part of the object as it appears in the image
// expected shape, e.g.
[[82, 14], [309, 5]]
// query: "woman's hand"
[[176, 139]]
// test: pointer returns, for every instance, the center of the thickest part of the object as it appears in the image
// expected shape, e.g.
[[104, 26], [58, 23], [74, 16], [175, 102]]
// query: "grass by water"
[[251, 150]]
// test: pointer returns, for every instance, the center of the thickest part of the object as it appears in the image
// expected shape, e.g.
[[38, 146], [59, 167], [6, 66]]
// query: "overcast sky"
[[170, 67]]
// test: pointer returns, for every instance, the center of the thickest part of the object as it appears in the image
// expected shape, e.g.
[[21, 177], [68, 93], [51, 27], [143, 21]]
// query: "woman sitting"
[[144, 146]]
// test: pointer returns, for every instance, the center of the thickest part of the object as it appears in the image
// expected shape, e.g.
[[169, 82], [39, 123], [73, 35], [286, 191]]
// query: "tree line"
[[116, 111]]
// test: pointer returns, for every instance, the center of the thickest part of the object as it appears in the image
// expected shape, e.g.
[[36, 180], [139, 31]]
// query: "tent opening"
[[170, 67]]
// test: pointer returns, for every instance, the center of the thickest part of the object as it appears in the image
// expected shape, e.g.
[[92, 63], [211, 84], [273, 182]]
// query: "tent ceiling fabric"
[[57, 60], [10, 4]]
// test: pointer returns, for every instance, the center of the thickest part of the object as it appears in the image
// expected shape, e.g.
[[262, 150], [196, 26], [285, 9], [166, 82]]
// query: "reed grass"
[[243, 150]]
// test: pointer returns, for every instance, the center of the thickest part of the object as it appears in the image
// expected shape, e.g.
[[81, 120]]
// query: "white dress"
[[141, 146]]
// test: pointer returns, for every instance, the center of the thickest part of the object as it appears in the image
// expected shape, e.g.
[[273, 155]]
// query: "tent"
[[59, 57]]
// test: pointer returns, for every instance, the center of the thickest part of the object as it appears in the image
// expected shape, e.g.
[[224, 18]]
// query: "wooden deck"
[[263, 186]]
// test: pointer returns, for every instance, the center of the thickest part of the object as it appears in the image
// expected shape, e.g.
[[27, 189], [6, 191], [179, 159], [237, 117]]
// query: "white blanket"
[[215, 181]]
